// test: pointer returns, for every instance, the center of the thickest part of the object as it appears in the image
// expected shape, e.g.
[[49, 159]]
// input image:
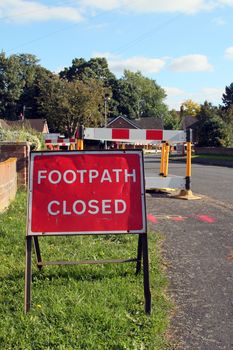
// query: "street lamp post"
[[106, 99]]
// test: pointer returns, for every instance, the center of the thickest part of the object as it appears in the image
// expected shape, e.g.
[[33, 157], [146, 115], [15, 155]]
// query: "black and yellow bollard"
[[79, 138], [187, 192]]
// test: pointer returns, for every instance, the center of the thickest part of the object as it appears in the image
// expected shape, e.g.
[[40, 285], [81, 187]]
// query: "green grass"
[[213, 156], [78, 307]]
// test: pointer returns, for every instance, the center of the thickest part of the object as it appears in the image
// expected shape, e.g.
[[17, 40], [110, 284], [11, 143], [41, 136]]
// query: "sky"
[[186, 46]]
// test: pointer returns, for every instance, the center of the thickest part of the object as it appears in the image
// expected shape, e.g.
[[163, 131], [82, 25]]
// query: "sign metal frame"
[[142, 250]]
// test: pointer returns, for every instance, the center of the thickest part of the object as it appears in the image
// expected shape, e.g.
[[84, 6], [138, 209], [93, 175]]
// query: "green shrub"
[[26, 134]]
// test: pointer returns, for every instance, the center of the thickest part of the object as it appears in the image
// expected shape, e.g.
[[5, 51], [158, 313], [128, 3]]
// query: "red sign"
[[86, 192]]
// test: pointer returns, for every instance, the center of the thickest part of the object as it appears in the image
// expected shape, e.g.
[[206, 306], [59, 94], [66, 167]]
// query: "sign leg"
[[139, 255], [146, 279], [28, 274], [38, 254]]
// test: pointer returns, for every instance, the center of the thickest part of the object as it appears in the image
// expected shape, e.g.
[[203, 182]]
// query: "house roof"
[[36, 124], [3, 124], [122, 120], [189, 121], [143, 123], [149, 123]]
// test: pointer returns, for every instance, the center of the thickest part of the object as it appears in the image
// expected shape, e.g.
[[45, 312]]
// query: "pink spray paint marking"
[[177, 218], [151, 218], [206, 218]]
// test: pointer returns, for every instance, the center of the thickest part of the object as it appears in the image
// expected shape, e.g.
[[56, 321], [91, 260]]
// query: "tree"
[[11, 86], [212, 129], [139, 97], [190, 108], [31, 72], [96, 68], [172, 120], [228, 97], [69, 104]]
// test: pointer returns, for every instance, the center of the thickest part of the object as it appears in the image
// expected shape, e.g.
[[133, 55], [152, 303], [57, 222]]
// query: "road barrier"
[[144, 136], [55, 141]]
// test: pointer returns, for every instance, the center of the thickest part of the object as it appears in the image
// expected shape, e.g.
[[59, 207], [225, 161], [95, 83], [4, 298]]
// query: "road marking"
[[179, 218]]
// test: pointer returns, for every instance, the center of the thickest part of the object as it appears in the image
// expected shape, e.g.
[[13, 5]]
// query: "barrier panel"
[[54, 141], [153, 136]]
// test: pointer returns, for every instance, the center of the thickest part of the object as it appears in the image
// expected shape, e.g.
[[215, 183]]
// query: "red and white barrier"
[[54, 139], [135, 135]]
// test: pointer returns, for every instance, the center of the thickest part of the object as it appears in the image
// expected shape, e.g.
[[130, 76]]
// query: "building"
[[143, 123]]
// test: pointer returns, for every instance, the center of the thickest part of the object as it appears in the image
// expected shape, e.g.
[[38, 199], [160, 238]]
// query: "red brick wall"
[[19, 150], [8, 182]]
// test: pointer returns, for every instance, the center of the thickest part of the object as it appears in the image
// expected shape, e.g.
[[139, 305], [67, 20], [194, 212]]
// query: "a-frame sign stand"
[[116, 169], [141, 259]]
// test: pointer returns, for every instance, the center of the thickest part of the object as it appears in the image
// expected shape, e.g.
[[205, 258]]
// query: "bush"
[[26, 134]]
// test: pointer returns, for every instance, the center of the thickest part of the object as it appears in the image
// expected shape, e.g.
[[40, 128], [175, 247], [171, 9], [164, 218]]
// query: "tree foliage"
[[68, 104], [227, 97], [190, 108], [11, 86], [139, 97], [212, 129]]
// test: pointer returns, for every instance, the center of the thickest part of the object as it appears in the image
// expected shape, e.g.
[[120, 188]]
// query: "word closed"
[[86, 192]]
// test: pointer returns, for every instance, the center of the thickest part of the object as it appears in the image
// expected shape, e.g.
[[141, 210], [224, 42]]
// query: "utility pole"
[[106, 99]]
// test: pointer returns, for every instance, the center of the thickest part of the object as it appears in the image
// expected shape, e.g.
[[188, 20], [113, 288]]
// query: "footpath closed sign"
[[86, 192]]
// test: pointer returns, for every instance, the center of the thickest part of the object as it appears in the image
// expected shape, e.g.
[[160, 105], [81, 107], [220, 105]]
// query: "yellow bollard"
[[162, 159], [166, 159], [80, 145]]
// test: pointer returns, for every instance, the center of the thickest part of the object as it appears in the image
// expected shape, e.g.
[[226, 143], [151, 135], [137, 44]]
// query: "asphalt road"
[[198, 255], [213, 181]]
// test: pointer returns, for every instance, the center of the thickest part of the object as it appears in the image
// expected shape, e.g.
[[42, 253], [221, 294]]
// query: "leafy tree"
[[31, 72], [212, 129], [227, 117], [228, 97], [139, 97], [11, 86], [172, 120], [190, 108], [66, 104], [96, 68]]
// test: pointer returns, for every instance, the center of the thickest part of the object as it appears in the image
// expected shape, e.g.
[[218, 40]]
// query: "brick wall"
[[8, 182], [20, 151]]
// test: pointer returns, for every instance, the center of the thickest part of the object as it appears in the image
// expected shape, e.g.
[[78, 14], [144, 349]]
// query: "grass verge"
[[88, 307], [213, 156]]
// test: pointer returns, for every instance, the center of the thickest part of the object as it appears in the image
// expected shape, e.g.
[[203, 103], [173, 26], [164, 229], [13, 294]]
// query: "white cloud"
[[173, 91], [226, 2], [191, 63], [229, 52], [30, 11], [143, 6], [176, 96], [143, 64]]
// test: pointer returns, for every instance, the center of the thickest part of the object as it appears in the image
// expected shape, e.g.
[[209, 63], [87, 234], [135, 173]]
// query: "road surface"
[[198, 253]]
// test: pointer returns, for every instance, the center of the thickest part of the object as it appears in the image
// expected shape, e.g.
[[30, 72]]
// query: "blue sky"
[[185, 45]]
